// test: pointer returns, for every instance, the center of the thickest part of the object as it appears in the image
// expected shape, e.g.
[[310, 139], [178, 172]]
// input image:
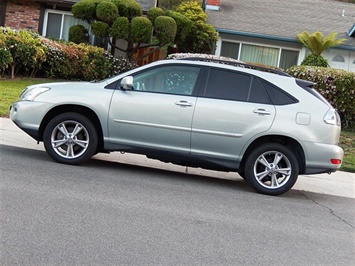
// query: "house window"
[[288, 58], [339, 59], [230, 49], [57, 23], [271, 56], [259, 54]]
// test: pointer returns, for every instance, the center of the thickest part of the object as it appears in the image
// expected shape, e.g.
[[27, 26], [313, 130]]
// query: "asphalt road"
[[109, 213]]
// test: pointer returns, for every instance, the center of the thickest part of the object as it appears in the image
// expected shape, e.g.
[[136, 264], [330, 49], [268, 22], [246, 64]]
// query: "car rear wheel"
[[271, 169], [70, 138]]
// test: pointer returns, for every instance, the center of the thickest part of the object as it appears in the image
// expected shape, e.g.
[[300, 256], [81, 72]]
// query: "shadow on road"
[[22, 157]]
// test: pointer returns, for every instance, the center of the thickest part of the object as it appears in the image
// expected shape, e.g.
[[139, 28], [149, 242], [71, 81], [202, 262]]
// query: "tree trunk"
[[13, 65]]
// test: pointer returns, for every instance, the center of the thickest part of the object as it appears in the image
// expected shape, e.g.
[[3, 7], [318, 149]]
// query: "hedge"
[[336, 85], [28, 54]]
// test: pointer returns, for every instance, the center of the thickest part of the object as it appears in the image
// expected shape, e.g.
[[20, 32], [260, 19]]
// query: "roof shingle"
[[284, 18]]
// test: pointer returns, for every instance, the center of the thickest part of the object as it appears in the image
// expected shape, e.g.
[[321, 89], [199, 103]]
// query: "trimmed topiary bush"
[[154, 12], [336, 85], [107, 12], [120, 28], [84, 9], [165, 28], [141, 30], [315, 60], [100, 29], [128, 8], [78, 34], [184, 28]]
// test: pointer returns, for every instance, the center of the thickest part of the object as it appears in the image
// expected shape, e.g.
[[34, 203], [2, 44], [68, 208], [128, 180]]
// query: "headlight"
[[30, 93]]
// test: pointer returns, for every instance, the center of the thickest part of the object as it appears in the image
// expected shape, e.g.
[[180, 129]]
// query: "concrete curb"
[[338, 184]]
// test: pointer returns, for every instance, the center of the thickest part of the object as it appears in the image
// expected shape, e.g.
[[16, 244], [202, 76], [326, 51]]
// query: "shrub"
[[120, 28], [23, 51], [107, 11], [93, 63], [165, 28], [128, 8], [82, 62], [26, 50], [315, 60], [62, 60], [100, 29], [154, 12], [201, 37], [5, 55], [85, 9], [184, 27], [141, 30], [337, 86], [78, 34]]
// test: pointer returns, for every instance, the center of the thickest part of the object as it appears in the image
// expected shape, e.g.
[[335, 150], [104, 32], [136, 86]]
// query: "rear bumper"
[[318, 156]]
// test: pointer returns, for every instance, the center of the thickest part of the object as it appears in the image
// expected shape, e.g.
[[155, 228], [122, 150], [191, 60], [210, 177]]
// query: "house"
[[254, 30], [50, 18], [265, 31]]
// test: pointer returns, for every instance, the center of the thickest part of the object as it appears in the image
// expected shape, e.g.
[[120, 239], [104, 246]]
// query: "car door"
[[157, 112], [233, 108]]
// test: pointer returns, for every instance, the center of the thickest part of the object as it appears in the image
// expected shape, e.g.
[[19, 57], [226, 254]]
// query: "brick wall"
[[23, 14]]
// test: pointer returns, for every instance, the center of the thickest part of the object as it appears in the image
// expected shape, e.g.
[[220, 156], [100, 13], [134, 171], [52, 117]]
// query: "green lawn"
[[347, 142], [11, 90]]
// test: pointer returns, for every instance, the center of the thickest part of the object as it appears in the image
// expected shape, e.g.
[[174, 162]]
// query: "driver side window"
[[168, 79]]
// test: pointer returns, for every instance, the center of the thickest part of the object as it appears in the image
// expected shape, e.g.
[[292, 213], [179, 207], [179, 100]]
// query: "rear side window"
[[228, 85], [257, 92], [235, 86], [277, 95]]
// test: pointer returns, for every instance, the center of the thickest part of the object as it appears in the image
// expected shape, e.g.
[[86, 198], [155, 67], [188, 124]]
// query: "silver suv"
[[268, 127]]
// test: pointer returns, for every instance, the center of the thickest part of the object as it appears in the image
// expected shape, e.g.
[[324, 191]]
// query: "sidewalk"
[[338, 184]]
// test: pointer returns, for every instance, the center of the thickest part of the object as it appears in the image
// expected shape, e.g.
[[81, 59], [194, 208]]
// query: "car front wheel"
[[271, 169], [70, 138]]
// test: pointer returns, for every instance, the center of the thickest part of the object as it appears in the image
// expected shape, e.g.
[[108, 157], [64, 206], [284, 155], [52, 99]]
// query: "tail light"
[[335, 161], [332, 117]]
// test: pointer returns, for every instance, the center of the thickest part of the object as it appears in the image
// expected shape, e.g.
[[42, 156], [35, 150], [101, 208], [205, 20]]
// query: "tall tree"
[[317, 43], [202, 37], [169, 4], [122, 20]]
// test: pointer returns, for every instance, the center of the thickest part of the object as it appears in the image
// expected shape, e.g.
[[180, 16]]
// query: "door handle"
[[261, 112], [184, 104]]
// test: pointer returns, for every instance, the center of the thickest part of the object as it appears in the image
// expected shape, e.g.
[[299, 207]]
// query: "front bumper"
[[27, 115]]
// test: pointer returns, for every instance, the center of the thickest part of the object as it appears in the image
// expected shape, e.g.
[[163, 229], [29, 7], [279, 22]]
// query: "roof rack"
[[238, 64]]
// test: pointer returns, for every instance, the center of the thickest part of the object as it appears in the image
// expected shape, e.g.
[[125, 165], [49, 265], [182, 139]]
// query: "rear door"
[[157, 113], [233, 108]]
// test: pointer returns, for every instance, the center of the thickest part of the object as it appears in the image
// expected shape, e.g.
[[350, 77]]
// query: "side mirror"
[[127, 83]]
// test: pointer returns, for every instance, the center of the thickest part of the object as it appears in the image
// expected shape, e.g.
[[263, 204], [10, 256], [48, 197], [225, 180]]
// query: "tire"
[[241, 174], [271, 169], [70, 138]]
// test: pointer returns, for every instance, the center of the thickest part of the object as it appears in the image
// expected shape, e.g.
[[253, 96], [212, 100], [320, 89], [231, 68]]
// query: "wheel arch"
[[291, 143], [83, 110]]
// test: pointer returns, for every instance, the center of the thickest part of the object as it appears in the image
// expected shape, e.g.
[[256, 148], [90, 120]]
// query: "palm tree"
[[317, 43]]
